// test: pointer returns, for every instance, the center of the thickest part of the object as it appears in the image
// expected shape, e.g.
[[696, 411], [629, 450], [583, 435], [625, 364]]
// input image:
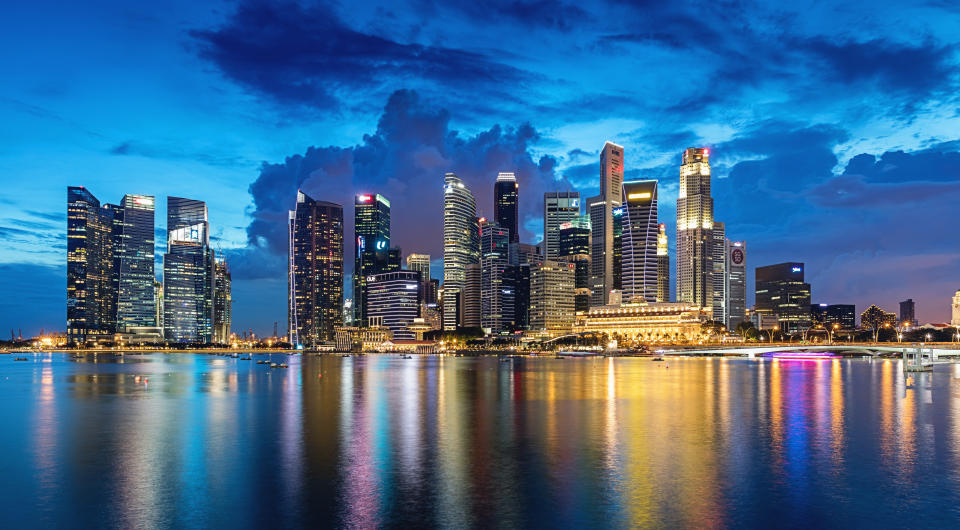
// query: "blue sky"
[[834, 129]]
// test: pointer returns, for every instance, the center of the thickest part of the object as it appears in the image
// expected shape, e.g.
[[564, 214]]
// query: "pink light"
[[706, 151], [364, 198]]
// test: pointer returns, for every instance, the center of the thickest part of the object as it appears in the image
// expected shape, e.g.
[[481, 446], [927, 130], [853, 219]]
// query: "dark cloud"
[[537, 13], [208, 156], [938, 163], [307, 56]]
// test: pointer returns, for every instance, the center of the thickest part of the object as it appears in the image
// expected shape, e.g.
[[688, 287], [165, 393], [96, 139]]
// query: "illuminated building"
[[315, 275], [575, 248], [694, 229], [371, 244], [461, 246], [645, 322], [521, 295], [781, 291], [470, 295], [188, 273], [552, 297], [663, 264], [506, 204], [134, 262], [158, 303], [908, 313], [421, 264], [735, 283], [718, 247], [558, 207], [826, 315], [955, 314], [222, 302], [874, 317], [394, 299], [496, 278], [357, 339], [605, 280], [524, 254], [90, 288], [639, 241]]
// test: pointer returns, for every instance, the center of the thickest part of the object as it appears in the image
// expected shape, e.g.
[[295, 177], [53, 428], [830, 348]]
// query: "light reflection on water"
[[199, 440]]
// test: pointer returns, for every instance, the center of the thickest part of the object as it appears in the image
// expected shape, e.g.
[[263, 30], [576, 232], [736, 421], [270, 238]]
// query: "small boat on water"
[[274, 365], [657, 359], [405, 356], [21, 359], [263, 362]]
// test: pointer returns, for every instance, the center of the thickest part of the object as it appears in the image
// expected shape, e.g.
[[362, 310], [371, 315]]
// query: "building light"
[[364, 198], [644, 195]]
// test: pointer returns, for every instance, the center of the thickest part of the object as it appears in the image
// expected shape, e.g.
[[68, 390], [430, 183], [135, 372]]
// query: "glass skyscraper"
[[315, 277], [781, 292], [134, 259], [496, 278], [639, 241], [90, 285], [575, 248], [506, 205], [394, 299], [663, 264], [222, 302], [371, 245], [695, 230], [559, 207], [461, 248], [188, 273]]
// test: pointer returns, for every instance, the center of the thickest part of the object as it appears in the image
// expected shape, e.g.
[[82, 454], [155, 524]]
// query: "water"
[[370, 441]]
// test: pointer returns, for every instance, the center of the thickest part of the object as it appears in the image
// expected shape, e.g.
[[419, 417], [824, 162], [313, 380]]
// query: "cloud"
[[940, 162], [208, 156]]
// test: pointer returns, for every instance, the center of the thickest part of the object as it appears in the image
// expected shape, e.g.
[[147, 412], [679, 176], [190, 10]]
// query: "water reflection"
[[195, 440]]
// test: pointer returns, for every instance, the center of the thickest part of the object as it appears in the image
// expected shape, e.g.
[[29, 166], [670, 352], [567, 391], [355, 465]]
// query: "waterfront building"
[[133, 253], [188, 273], [575, 248], [908, 313], [370, 338], [955, 314], [764, 320], [781, 291], [90, 288], [645, 322], [222, 302], [826, 315], [552, 300], [371, 244], [639, 241], [461, 247], [718, 248], [394, 299], [506, 201], [694, 229], [558, 207], [875, 318], [663, 264], [315, 278], [496, 278], [735, 283]]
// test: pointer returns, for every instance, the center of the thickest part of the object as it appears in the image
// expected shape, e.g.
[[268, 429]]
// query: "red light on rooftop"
[[706, 151], [364, 198]]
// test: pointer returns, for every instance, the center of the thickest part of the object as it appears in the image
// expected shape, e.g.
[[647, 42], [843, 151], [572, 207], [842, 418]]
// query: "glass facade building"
[[90, 285], [663, 264], [639, 241], [506, 205], [559, 207], [496, 278], [394, 300], [134, 262], [461, 248], [371, 218], [735, 287], [315, 277], [781, 291], [188, 273], [222, 302], [695, 230], [575, 248]]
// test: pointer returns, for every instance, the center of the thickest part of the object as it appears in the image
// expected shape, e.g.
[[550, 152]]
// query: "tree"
[[875, 318]]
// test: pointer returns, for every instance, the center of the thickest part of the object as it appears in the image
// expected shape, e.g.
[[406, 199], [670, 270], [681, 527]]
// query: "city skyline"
[[796, 174]]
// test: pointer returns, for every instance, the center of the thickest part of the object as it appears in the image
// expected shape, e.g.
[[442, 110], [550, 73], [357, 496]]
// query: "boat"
[[274, 365], [283, 365], [20, 359], [405, 356], [657, 359]]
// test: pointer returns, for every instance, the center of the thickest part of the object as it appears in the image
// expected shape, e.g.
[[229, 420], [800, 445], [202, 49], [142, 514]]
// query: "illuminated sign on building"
[[364, 198], [381, 245], [797, 269], [644, 195]]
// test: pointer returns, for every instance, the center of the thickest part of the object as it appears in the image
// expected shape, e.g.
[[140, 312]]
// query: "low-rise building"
[[357, 339], [649, 322]]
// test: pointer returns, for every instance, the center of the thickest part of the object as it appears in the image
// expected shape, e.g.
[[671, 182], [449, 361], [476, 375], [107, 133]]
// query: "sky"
[[834, 129]]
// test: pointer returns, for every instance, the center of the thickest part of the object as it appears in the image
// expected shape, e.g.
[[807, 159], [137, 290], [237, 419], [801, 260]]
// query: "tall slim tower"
[[736, 283], [506, 201], [602, 207], [496, 281], [461, 246], [559, 207], [188, 273], [222, 302], [719, 250], [371, 245], [695, 230], [639, 238], [663, 264], [90, 287], [133, 257], [315, 277]]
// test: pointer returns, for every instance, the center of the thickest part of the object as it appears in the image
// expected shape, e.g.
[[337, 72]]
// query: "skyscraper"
[[639, 241], [552, 301], [188, 273], [461, 246], [604, 253], [371, 244], [558, 207], [315, 278], [694, 230], [394, 298], [421, 264], [134, 262], [506, 204], [90, 287], [663, 264], [575, 248], [781, 291], [496, 278], [222, 302], [908, 313], [736, 283], [471, 293], [718, 247]]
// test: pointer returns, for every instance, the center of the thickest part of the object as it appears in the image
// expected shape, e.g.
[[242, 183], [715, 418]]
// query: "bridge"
[[840, 349]]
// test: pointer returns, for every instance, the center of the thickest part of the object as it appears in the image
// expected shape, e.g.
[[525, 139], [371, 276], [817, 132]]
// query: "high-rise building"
[[524, 253], [718, 247], [134, 262], [470, 295], [558, 207], [908, 313], [735, 283], [315, 277], [826, 315], [604, 251], [158, 304], [663, 264], [222, 302], [575, 248], [461, 246], [955, 314], [639, 241], [781, 291], [90, 286], [188, 273], [521, 295], [506, 201], [496, 282], [552, 299], [394, 299], [694, 230], [421, 264], [371, 244]]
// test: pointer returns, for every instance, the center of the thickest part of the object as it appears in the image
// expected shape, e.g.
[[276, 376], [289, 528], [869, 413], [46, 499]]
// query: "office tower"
[[908, 313], [780, 291], [431, 292], [470, 295], [506, 205], [663, 264], [134, 262], [575, 248], [315, 277], [222, 302], [371, 225], [694, 230], [955, 314], [639, 241], [394, 299], [461, 245], [844, 316], [552, 299], [188, 273], [735, 287], [521, 295], [158, 304], [524, 254], [421, 264], [606, 269], [496, 281], [558, 207], [90, 287], [718, 248]]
